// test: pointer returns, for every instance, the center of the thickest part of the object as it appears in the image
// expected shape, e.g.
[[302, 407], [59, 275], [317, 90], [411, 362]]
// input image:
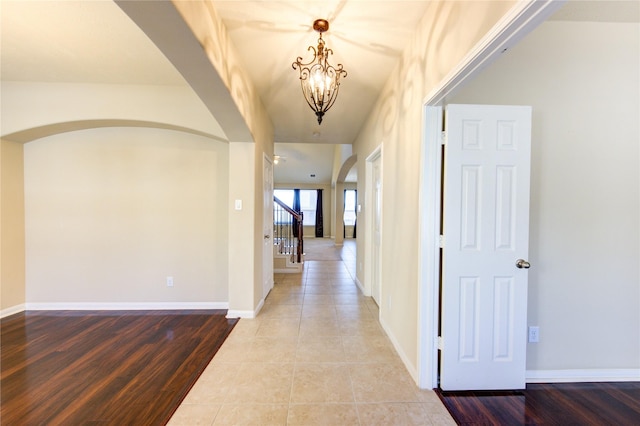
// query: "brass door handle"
[[522, 264]]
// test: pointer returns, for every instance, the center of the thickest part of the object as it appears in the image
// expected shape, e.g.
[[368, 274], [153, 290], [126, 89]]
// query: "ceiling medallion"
[[320, 81]]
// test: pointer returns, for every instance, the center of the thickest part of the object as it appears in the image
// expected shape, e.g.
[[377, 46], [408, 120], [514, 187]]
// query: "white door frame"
[[368, 220], [522, 19], [429, 248], [267, 282]]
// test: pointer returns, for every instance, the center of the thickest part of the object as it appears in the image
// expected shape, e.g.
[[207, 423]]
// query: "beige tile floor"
[[315, 355]]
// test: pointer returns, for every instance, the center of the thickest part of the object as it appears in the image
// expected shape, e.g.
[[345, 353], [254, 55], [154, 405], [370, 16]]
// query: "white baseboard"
[[413, 371], [290, 267], [234, 313], [361, 287], [591, 375], [126, 306], [12, 310], [258, 308]]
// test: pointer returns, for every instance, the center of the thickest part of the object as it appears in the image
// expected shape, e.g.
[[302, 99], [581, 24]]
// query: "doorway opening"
[[373, 211], [349, 214], [525, 17]]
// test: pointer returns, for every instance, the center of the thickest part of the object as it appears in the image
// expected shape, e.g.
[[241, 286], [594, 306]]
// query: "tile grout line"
[[365, 311]]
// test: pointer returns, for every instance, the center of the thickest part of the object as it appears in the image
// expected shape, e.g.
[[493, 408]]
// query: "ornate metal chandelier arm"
[[319, 80]]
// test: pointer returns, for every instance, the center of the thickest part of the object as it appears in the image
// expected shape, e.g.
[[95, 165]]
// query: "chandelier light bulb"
[[319, 80]]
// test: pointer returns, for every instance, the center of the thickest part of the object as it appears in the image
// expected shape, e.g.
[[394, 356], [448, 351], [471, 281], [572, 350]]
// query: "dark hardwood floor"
[[105, 367], [549, 404]]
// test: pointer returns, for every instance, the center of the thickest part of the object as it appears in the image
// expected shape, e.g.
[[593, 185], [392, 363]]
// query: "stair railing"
[[287, 230]]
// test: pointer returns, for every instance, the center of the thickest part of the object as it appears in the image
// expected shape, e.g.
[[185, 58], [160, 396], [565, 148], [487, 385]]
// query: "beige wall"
[[584, 286], [241, 290], [29, 105], [110, 213], [12, 246], [32, 110], [207, 27], [447, 32], [175, 238]]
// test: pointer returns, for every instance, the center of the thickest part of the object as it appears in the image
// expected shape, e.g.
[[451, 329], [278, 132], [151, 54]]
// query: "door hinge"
[[441, 241], [443, 138], [440, 343]]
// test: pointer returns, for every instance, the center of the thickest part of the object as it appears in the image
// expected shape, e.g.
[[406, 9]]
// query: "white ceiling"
[[94, 41], [298, 161], [367, 37]]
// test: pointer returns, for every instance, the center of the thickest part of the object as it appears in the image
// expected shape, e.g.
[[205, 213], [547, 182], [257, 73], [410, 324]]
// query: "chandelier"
[[319, 80]]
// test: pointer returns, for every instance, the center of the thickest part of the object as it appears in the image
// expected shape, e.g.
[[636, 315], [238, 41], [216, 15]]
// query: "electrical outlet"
[[534, 334], [169, 281]]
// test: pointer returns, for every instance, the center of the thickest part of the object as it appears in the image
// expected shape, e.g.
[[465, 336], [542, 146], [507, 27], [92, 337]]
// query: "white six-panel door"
[[486, 231]]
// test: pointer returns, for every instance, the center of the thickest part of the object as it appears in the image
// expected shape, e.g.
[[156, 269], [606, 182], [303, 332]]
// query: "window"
[[308, 206], [308, 199], [349, 207], [284, 195]]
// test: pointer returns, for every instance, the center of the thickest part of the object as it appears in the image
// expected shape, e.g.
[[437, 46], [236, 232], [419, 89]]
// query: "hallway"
[[315, 355]]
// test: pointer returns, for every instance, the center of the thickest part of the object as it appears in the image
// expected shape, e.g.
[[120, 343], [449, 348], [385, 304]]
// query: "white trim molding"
[[361, 287], [523, 18], [290, 267], [235, 313], [413, 372], [429, 247], [578, 376], [12, 310], [240, 314], [126, 306], [367, 285]]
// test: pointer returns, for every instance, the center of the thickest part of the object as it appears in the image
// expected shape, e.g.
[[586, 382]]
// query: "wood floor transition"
[[558, 404], [106, 367]]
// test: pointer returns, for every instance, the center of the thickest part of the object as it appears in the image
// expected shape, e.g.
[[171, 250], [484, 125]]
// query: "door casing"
[[376, 229], [267, 226], [522, 19], [369, 218]]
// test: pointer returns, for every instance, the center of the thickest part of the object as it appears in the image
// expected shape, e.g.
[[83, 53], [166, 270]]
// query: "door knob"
[[522, 264], [266, 237]]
